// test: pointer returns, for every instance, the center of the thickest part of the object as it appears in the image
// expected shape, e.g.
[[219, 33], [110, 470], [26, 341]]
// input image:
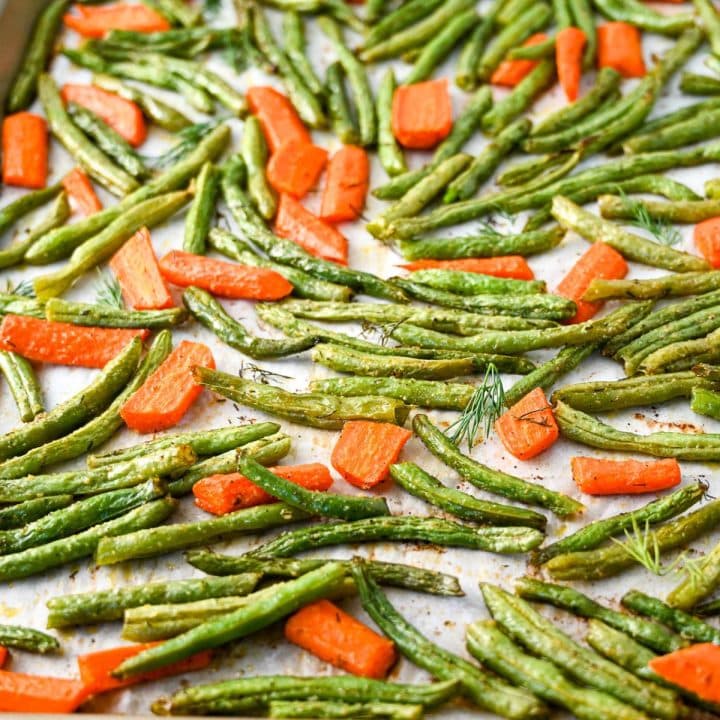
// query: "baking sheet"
[[441, 619]]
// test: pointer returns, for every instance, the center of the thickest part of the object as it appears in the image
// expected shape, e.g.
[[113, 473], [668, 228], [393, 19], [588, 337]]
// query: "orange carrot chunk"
[[598, 476], [295, 167], [137, 270], [507, 266], [422, 114], [96, 667], [280, 122], [81, 192], [62, 343], [600, 261], [707, 240], [695, 668], [510, 72], [569, 45], [329, 633], [96, 21], [39, 694], [24, 150], [528, 427], [3, 655], [221, 494], [164, 398], [222, 278], [122, 115], [295, 222], [365, 451], [346, 185], [620, 47]]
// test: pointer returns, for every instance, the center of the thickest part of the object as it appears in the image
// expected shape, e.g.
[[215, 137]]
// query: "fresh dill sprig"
[[24, 288], [662, 231], [189, 138], [250, 371], [643, 547], [486, 405], [211, 8], [694, 569], [108, 291]]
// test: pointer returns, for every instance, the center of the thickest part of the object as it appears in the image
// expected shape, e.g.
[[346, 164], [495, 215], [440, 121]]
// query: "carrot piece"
[[295, 222], [528, 427], [81, 192], [36, 693], [506, 266], [96, 667], [328, 632], [62, 343], [365, 451], [422, 114], [510, 72], [164, 398], [707, 240], [277, 116], [596, 476], [122, 115], [3, 655], [222, 278], [600, 261], [620, 47], [569, 45], [24, 150], [695, 668], [346, 185], [94, 22], [221, 494], [137, 270], [295, 167]]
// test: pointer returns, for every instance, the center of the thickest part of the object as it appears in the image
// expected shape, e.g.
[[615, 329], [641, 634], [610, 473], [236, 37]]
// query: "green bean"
[[710, 21], [18, 209], [466, 68], [59, 243], [526, 626], [101, 246], [95, 161], [100, 315], [687, 211], [538, 305], [414, 36], [689, 627], [300, 94], [649, 633], [495, 650], [521, 98], [91, 406], [254, 151], [705, 402], [12, 304], [547, 374], [202, 209], [258, 691], [179, 12], [468, 283], [677, 285], [633, 247], [289, 253], [613, 559], [389, 152], [324, 504], [539, 51], [336, 709], [595, 533], [23, 513], [23, 384], [677, 353], [484, 690], [484, 244], [397, 20], [23, 638], [339, 10], [583, 18], [342, 120], [511, 10], [526, 171], [466, 507], [534, 19], [486, 478], [712, 189], [168, 118], [694, 84], [108, 140], [487, 161], [641, 16], [276, 602], [55, 218], [77, 409], [441, 46], [36, 56], [699, 584], [294, 36], [384, 573], [687, 132], [267, 450]]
